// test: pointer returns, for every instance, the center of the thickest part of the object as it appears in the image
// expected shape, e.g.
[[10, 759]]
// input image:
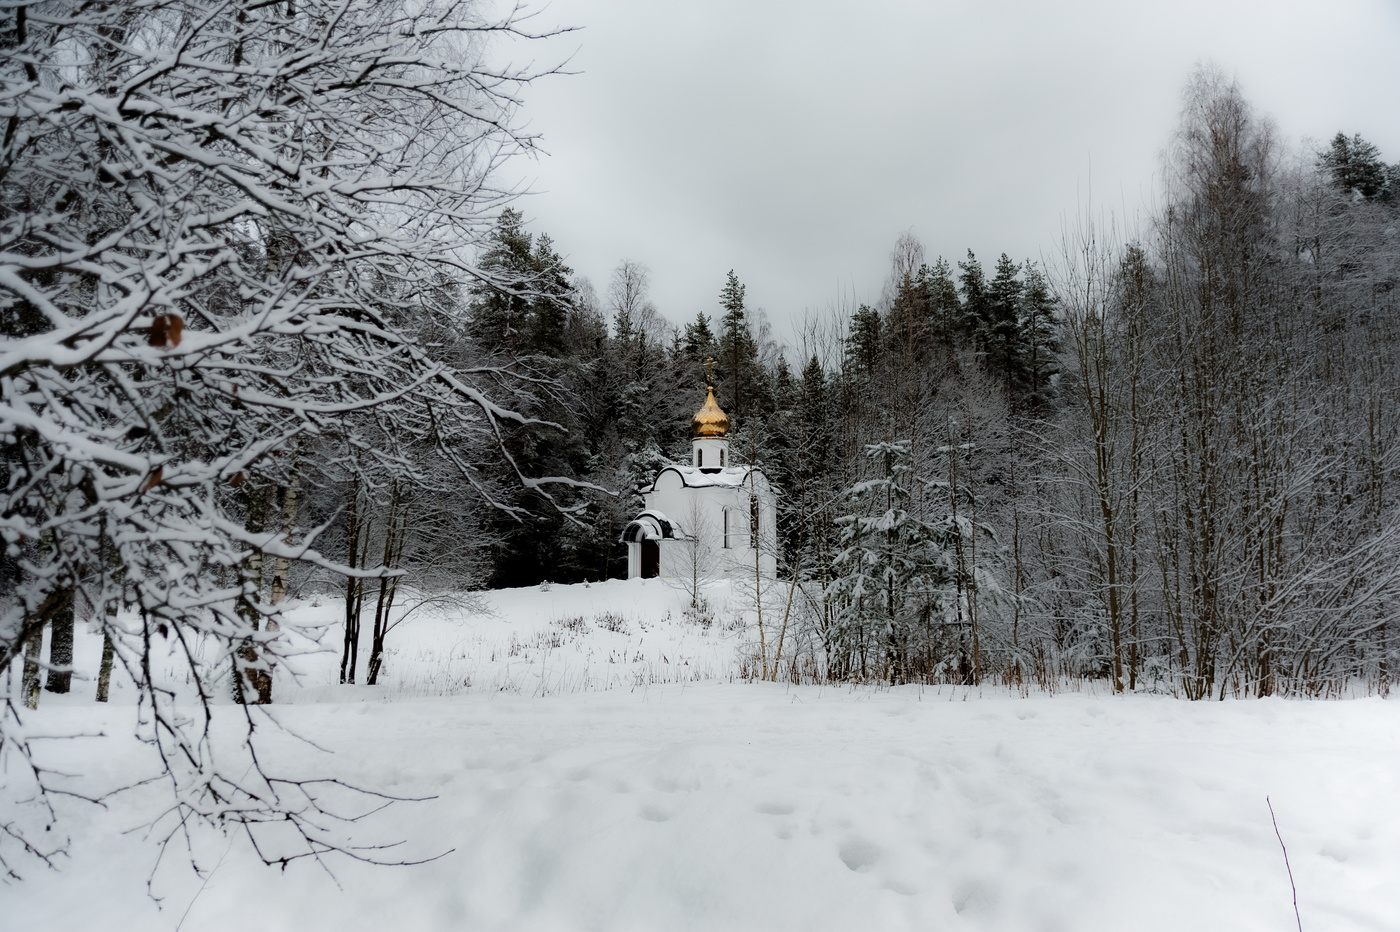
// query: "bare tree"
[[1221, 374], [1102, 296], [192, 266], [699, 559], [634, 315]]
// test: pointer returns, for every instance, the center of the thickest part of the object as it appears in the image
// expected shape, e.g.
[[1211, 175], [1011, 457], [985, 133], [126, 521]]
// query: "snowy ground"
[[616, 774]]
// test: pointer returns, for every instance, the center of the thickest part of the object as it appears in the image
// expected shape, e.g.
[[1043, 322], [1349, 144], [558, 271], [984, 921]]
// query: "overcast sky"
[[793, 142]]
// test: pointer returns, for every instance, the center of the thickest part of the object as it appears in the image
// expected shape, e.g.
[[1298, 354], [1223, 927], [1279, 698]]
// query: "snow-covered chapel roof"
[[651, 525], [730, 477]]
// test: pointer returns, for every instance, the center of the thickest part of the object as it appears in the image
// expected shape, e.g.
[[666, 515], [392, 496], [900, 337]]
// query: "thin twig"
[[1296, 914]]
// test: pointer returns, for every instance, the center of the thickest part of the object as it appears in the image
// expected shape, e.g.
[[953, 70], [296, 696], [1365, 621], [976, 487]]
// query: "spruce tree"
[[500, 309], [815, 421], [782, 462], [524, 308], [892, 573], [976, 309], [944, 308], [1040, 340], [1002, 333], [693, 348], [699, 341], [864, 346], [552, 300], [523, 314]]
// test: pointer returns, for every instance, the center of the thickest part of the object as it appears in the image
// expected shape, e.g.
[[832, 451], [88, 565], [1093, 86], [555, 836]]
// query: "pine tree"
[[731, 297], [1355, 165], [738, 353]]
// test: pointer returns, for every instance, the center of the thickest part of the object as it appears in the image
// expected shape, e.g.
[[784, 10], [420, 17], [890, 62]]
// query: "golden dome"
[[709, 421]]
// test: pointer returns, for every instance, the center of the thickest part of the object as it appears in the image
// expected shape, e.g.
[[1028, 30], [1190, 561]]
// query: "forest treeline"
[[1165, 457]]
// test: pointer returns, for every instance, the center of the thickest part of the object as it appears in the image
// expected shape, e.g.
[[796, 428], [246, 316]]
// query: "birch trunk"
[[281, 566], [29, 682]]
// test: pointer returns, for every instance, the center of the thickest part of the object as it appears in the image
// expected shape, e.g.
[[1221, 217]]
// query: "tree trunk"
[[111, 561], [104, 672], [260, 678], [29, 684], [60, 674], [959, 552], [281, 567], [354, 586], [395, 535], [1016, 575]]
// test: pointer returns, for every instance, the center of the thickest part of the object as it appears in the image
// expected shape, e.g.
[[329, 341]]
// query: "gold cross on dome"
[[710, 371]]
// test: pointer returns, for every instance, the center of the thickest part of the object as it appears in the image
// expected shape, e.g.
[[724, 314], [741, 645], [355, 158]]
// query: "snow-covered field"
[[616, 773]]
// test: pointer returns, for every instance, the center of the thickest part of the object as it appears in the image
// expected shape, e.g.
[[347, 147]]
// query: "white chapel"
[[712, 518]]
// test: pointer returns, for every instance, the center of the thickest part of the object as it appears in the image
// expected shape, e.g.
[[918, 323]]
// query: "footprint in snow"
[[974, 896], [655, 814], [859, 855]]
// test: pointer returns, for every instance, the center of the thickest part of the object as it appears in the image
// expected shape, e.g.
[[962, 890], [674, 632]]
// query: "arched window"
[[700, 456], [721, 458]]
